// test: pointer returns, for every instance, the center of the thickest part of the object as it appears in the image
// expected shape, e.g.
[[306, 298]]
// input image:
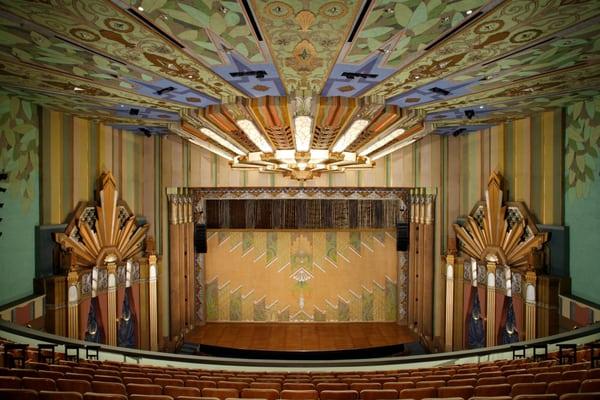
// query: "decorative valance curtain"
[[303, 214]]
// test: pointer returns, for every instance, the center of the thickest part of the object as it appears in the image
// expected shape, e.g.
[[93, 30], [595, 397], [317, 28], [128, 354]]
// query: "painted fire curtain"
[[296, 276]]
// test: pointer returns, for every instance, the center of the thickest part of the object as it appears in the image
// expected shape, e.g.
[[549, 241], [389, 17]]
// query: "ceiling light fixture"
[[140, 8], [391, 149], [253, 134], [350, 135], [211, 148], [225, 143], [469, 12], [77, 89], [303, 132], [382, 141]]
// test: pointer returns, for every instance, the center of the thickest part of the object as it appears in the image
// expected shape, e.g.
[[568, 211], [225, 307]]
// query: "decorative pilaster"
[[144, 317], [111, 328], [530, 305], [459, 301], [73, 304], [449, 320], [412, 261], [428, 265], [490, 330]]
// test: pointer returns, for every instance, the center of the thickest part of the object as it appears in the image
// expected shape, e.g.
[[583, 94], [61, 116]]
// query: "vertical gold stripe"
[[54, 177], [80, 160], [523, 160]]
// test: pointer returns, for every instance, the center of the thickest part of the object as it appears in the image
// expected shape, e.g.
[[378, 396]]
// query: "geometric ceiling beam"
[[400, 129], [305, 39], [194, 136], [218, 116], [404, 138], [24, 75], [239, 111], [502, 30], [560, 81], [273, 114], [303, 106], [109, 30], [368, 108], [389, 117], [333, 113], [212, 132]]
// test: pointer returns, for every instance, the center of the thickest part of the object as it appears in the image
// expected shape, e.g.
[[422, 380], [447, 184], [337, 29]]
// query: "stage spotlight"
[[146, 132], [3, 176], [469, 113], [2, 189]]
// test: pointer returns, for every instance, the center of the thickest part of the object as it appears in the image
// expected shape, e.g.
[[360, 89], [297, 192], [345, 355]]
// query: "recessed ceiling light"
[[190, 76], [417, 76], [481, 106], [121, 105], [140, 8], [77, 88], [469, 12]]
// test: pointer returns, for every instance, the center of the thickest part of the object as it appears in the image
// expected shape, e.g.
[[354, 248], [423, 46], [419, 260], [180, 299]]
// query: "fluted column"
[[73, 304], [111, 328], [427, 249], [530, 305], [490, 329], [449, 320], [412, 261]]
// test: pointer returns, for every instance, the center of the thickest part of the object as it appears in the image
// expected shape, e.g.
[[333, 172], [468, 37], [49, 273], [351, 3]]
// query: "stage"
[[299, 340]]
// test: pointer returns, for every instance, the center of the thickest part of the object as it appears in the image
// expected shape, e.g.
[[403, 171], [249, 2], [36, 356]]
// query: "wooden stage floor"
[[300, 337]]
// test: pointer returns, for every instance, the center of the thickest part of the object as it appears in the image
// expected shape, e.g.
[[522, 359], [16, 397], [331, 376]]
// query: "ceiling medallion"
[[302, 116]]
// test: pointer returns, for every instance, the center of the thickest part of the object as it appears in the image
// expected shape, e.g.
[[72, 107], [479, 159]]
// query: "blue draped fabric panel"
[[94, 331], [126, 330], [475, 329], [508, 329]]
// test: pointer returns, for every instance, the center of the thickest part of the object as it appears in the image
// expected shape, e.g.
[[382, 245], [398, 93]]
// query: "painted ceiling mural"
[[301, 87]]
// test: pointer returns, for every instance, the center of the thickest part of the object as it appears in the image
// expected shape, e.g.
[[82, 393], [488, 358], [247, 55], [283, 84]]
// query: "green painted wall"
[[582, 197], [19, 140]]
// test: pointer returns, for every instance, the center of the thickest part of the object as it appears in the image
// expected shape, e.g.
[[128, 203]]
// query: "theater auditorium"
[[299, 199]]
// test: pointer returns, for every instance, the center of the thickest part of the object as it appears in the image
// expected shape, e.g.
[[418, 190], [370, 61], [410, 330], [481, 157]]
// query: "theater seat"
[[108, 378], [18, 394], [272, 385], [144, 381], [139, 388], [338, 395], [502, 389], [74, 385], [536, 397], [10, 382], [176, 391], [104, 396], [433, 384], [520, 378], [168, 382], [45, 395], [462, 382], [109, 387], [581, 396], [418, 393], [299, 394], [149, 397], [298, 386], [257, 393], [455, 391], [563, 387], [360, 386], [221, 393], [232, 385], [38, 384], [528, 388], [590, 385], [399, 386], [378, 394]]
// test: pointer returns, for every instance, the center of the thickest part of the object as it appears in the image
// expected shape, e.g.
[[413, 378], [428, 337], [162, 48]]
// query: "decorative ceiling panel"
[[105, 28], [403, 29], [21, 75], [24, 42], [217, 116], [219, 35], [510, 26], [305, 37]]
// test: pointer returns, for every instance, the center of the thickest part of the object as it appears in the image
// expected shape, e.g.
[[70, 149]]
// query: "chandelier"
[[303, 136]]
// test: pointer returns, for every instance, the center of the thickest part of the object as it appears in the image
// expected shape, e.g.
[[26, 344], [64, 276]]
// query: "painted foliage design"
[[19, 147], [582, 147]]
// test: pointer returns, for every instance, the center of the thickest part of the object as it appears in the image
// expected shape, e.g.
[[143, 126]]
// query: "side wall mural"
[[19, 136], [582, 199], [296, 276]]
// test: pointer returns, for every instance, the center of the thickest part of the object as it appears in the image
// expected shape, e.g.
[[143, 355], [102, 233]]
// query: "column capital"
[[531, 277]]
